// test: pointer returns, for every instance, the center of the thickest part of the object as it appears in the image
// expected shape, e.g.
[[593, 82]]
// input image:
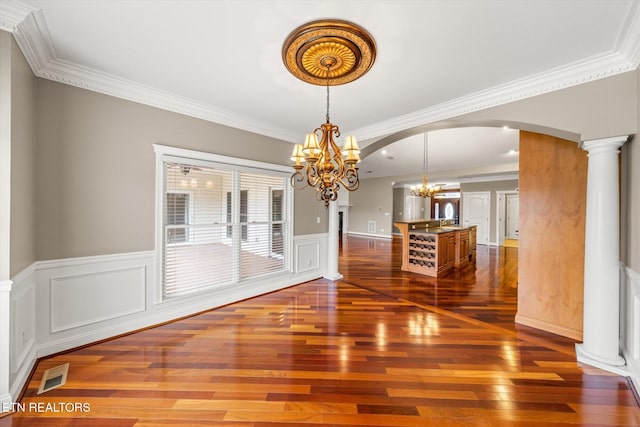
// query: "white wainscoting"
[[310, 254], [23, 329], [81, 300], [630, 322], [62, 304], [84, 299]]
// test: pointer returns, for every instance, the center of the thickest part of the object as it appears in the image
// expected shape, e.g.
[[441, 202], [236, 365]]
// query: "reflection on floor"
[[382, 347], [510, 243]]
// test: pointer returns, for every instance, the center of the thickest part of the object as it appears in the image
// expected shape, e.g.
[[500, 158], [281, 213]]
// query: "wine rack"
[[435, 249], [423, 253]]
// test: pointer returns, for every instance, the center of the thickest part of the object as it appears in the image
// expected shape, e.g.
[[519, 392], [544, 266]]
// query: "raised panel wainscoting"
[[62, 304], [630, 321]]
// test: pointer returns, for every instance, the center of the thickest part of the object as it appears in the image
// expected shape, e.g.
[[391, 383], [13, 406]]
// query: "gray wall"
[[23, 190], [602, 108], [373, 201], [398, 206], [630, 199], [399, 195], [307, 211], [599, 109], [96, 169], [5, 181], [492, 187], [95, 164]]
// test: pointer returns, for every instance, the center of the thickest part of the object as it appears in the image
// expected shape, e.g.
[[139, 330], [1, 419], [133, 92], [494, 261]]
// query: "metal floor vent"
[[53, 378]]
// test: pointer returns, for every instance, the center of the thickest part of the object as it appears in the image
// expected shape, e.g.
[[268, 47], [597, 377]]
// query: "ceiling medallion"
[[346, 49]]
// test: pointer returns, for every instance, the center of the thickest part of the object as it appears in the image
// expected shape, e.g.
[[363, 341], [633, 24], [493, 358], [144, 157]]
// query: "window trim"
[[166, 153]]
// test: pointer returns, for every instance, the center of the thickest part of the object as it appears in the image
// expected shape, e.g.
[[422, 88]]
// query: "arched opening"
[[551, 185]]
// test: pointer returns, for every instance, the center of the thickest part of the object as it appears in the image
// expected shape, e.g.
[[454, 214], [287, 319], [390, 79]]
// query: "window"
[[276, 223], [177, 214], [243, 213], [220, 223]]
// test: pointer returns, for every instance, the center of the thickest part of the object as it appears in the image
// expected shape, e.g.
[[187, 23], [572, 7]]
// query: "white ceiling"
[[484, 150], [220, 60]]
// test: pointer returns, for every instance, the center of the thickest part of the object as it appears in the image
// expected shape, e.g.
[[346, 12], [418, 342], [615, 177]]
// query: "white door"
[[409, 208], [502, 220], [513, 212], [414, 207], [475, 211]]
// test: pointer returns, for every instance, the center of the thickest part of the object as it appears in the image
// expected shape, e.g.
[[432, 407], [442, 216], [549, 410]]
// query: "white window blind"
[[262, 250], [220, 225]]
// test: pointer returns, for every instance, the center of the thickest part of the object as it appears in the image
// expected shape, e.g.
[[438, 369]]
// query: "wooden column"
[[553, 186]]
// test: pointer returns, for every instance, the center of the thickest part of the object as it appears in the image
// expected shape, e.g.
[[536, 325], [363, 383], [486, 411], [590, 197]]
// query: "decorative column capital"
[[594, 146]]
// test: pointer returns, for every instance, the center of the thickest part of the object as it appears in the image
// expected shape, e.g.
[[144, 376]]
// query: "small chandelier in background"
[[327, 52], [425, 190]]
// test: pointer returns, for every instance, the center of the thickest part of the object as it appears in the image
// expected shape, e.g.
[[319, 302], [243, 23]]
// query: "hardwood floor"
[[381, 347]]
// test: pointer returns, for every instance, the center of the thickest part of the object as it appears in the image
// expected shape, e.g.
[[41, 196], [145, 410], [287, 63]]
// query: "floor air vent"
[[53, 378]]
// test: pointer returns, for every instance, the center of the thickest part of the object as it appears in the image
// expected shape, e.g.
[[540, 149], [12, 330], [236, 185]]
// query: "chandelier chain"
[[328, 79], [426, 156]]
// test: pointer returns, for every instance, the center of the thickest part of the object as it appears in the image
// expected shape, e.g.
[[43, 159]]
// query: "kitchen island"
[[435, 247]]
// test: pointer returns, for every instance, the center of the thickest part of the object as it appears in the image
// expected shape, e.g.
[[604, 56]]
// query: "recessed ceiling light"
[[505, 127], [513, 152], [384, 152]]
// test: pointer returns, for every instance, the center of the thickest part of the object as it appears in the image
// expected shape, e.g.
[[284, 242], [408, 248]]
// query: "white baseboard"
[[370, 235], [6, 403], [20, 378], [5, 344], [584, 357], [630, 322]]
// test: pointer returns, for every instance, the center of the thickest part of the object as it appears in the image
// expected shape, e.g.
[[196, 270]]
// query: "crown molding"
[[623, 58], [87, 78], [594, 68], [489, 178], [629, 45], [12, 13], [30, 31], [32, 36]]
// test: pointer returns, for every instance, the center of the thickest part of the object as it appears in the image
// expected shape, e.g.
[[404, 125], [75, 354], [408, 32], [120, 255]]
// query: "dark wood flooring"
[[380, 348]]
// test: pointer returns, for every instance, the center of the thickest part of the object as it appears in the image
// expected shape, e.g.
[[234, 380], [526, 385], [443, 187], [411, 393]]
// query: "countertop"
[[439, 230]]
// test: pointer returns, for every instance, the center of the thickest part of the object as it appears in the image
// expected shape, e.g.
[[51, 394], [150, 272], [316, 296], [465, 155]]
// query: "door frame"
[[463, 219], [501, 208], [509, 225]]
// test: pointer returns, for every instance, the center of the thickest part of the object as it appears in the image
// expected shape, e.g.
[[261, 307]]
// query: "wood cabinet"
[[472, 242], [462, 248], [432, 254], [412, 226], [446, 252], [434, 250]]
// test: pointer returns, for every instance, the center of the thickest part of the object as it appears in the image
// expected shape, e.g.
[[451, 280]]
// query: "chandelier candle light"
[[425, 190], [327, 52]]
